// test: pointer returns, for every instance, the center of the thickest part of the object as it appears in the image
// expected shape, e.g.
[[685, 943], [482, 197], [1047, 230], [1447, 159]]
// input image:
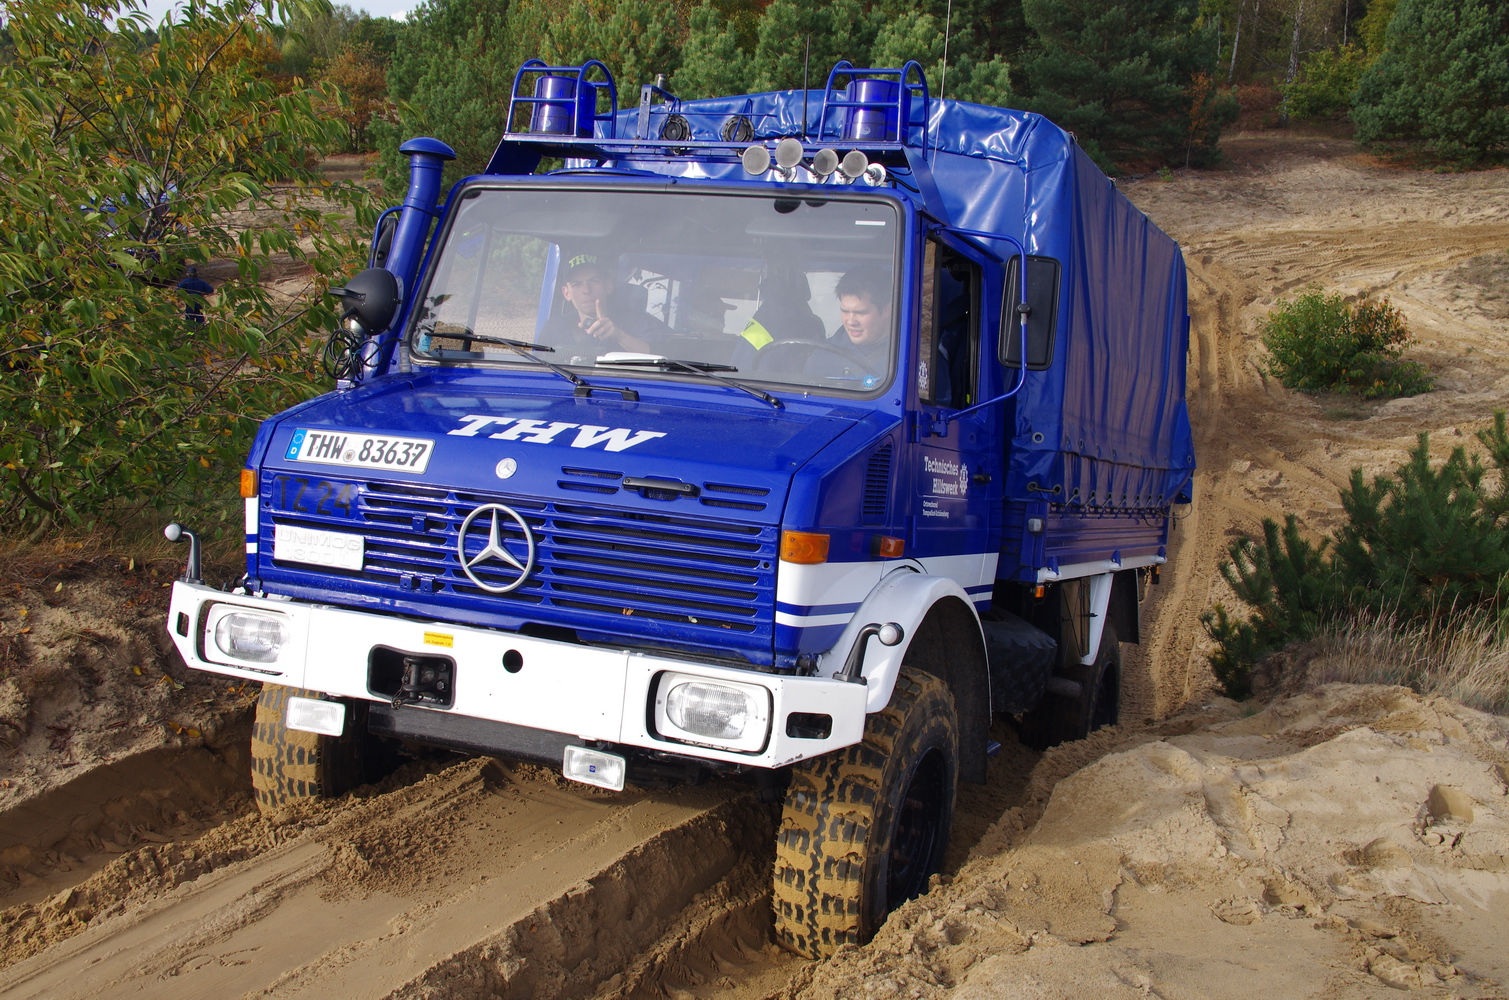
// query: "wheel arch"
[[943, 637], [936, 647]]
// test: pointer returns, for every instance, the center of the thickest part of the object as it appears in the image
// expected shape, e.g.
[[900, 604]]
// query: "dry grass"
[[1467, 659]]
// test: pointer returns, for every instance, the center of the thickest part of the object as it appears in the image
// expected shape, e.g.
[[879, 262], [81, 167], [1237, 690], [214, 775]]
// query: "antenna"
[[948, 23], [806, 65]]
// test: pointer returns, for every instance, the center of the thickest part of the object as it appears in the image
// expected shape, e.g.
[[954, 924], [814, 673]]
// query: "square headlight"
[[237, 635], [712, 712]]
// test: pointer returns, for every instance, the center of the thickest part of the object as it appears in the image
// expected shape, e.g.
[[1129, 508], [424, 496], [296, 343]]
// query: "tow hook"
[[425, 682], [889, 634]]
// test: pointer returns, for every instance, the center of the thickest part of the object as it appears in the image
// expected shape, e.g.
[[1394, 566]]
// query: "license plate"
[[361, 451], [318, 548]]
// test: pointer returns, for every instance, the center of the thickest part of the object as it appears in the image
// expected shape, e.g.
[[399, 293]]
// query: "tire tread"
[[822, 849]]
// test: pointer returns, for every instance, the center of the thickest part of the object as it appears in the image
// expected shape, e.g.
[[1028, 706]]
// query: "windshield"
[[781, 290]]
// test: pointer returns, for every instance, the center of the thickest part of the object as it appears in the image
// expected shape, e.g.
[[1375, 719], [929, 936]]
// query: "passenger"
[[593, 319], [864, 302], [785, 314]]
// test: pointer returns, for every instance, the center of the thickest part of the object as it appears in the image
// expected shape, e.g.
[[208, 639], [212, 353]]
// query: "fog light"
[[253, 637], [700, 709], [593, 767], [311, 715]]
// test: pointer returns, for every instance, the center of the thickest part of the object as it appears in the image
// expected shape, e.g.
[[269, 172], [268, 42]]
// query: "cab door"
[[956, 464]]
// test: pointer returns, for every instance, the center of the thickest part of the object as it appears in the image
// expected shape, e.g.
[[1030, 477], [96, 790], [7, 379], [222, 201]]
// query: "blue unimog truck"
[[792, 436]]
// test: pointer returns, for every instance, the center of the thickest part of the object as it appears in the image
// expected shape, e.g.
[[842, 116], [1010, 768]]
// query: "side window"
[[1042, 319], [950, 328]]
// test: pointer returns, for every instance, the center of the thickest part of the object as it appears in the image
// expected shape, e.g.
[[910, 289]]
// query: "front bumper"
[[593, 693]]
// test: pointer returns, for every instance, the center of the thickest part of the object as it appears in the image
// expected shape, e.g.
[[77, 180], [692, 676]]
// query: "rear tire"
[[864, 827], [1061, 719], [290, 764]]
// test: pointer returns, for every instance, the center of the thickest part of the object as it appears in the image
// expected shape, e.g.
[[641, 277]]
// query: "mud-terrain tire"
[[1060, 719], [290, 764], [862, 828]]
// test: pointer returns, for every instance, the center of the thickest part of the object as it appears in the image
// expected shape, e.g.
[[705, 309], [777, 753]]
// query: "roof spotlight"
[[756, 160], [788, 153], [875, 174], [825, 162], [854, 164], [737, 128]]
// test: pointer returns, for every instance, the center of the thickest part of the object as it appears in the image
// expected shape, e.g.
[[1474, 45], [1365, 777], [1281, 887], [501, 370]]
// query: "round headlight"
[[247, 636]]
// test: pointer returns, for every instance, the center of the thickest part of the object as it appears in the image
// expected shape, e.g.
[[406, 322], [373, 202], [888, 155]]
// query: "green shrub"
[[1326, 83], [1318, 342], [1427, 546]]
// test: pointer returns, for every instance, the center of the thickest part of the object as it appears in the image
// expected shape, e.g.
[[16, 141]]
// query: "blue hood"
[[708, 437], [686, 561]]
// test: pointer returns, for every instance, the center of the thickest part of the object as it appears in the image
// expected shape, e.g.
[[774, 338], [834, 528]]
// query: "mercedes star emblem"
[[495, 549]]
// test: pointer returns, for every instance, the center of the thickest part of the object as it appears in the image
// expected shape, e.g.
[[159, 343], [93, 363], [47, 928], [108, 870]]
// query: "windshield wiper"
[[707, 369], [522, 348]]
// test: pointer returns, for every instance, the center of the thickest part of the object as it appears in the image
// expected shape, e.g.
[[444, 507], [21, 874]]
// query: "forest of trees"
[[1142, 85], [126, 147]]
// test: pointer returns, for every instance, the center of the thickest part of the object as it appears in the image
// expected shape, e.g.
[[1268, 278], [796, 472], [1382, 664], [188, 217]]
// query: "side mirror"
[[382, 239], [371, 298]]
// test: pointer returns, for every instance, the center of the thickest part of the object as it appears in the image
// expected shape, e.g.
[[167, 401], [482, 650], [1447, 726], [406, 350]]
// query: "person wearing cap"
[[195, 289], [593, 320]]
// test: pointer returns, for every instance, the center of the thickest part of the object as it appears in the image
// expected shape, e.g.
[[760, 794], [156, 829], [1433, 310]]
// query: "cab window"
[[949, 353]]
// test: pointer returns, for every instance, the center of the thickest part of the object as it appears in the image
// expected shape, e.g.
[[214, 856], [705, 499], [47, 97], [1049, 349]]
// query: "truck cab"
[[793, 436]]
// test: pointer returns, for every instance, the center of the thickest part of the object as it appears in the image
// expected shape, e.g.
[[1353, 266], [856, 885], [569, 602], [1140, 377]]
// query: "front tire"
[[864, 827], [290, 764]]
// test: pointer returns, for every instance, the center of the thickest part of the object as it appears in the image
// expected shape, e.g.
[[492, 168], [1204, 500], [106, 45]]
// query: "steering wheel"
[[769, 351]]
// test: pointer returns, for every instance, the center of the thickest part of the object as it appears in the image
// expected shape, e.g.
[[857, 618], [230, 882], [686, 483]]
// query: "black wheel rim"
[[919, 828]]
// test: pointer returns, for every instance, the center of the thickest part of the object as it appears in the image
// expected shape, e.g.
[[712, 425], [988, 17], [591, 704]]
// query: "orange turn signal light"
[[887, 547], [1040, 591], [248, 483], [804, 547]]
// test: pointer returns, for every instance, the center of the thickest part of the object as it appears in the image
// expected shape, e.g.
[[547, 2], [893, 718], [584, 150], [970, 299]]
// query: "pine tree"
[[1442, 83], [451, 75], [715, 58], [838, 30], [1427, 545], [1123, 77]]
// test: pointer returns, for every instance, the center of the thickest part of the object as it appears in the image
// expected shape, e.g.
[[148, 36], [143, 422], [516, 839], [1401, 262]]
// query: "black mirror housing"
[[371, 297], [382, 240]]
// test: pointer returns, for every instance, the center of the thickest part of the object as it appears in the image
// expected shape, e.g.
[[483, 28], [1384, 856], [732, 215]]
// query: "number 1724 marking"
[[318, 497]]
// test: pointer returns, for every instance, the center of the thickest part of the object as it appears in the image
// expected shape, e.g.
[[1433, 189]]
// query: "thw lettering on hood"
[[546, 432]]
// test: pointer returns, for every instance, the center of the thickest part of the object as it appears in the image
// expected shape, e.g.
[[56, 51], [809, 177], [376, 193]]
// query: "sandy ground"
[[1345, 843], [1295, 211], [1320, 848]]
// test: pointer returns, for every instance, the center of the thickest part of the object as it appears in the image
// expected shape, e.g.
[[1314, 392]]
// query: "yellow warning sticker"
[[439, 639]]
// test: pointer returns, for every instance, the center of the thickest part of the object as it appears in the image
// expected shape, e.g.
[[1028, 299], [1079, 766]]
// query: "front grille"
[[676, 578]]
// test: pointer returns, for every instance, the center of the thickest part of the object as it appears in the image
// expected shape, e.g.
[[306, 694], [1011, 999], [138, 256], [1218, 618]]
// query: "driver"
[[592, 321], [864, 302]]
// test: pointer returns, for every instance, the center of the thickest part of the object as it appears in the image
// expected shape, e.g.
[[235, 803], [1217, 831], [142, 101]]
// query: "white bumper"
[[589, 692]]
